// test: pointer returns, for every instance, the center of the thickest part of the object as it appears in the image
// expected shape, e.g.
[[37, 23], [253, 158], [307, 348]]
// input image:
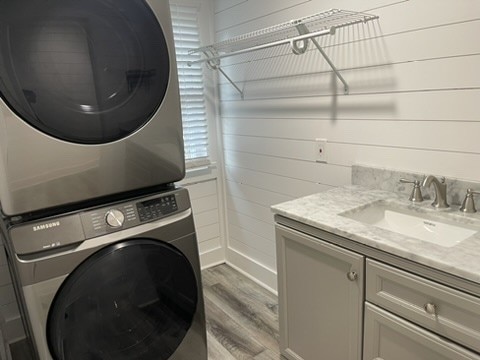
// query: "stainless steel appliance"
[[89, 102], [121, 281]]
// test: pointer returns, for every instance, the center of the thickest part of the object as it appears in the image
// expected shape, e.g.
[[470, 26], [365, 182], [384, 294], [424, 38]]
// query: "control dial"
[[114, 218]]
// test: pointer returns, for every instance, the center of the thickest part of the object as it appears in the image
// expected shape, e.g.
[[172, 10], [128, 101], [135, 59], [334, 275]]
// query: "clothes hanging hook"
[[299, 47]]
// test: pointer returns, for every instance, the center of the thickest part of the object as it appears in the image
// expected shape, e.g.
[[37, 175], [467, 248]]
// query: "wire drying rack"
[[296, 33]]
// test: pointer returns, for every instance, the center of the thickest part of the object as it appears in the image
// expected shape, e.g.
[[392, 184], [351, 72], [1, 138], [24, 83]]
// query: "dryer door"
[[131, 300], [89, 71]]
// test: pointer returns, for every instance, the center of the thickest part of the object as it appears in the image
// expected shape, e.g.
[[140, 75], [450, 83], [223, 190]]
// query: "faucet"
[[440, 187]]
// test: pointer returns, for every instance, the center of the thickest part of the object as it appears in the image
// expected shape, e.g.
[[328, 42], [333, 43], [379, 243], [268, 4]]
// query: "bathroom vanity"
[[352, 286]]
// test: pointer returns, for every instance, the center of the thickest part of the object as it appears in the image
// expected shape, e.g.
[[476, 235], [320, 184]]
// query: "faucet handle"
[[468, 205], [406, 181], [416, 195]]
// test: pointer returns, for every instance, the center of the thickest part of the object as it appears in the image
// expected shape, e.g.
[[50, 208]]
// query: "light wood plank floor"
[[242, 317]]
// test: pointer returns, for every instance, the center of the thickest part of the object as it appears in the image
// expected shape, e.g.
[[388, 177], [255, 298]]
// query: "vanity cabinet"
[[325, 314], [320, 298]]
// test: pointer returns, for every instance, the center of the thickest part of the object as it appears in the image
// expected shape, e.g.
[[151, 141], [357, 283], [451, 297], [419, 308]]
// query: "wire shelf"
[[297, 33], [326, 20]]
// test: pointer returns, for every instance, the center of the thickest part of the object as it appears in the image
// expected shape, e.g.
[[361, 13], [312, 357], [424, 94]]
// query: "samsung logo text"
[[46, 226]]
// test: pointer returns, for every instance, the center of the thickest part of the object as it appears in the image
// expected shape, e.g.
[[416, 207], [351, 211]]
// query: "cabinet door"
[[320, 298], [388, 337]]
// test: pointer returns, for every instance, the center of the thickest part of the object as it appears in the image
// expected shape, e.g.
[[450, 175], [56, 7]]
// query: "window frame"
[[205, 32]]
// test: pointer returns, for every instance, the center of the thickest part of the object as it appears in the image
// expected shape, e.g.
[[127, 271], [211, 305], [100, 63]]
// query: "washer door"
[[132, 300], [89, 71]]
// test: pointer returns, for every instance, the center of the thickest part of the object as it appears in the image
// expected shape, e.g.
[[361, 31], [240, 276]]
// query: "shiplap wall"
[[208, 216], [414, 79], [11, 327]]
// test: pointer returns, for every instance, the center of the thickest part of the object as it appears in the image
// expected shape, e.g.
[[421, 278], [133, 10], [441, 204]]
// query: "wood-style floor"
[[242, 317]]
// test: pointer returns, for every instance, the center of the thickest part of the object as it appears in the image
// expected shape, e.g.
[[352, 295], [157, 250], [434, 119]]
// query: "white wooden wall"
[[11, 328], [414, 105], [206, 212], [205, 191]]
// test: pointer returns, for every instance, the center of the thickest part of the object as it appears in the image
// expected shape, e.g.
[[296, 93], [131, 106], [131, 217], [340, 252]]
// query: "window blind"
[[192, 92]]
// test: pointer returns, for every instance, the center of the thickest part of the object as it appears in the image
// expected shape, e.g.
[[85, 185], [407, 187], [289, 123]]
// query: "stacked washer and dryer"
[[101, 243]]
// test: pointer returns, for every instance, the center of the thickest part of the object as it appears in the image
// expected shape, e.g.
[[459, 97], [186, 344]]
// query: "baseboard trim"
[[212, 258], [255, 271]]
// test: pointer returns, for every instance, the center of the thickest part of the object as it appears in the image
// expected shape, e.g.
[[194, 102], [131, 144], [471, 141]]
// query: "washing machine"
[[89, 101], [117, 282]]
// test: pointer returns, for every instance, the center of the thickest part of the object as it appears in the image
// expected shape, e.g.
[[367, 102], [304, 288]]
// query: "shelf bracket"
[[231, 81], [298, 50], [213, 63]]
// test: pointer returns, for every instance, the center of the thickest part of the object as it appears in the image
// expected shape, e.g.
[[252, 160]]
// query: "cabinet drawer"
[[446, 311], [388, 337]]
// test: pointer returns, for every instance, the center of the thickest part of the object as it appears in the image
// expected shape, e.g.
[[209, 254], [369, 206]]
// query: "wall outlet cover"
[[320, 154]]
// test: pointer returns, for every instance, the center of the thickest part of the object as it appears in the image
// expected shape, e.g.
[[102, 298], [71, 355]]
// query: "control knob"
[[114, 218]]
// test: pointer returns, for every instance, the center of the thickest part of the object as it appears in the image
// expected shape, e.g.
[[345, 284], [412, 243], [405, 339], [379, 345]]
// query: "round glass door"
[[89, 71], [132, 300]]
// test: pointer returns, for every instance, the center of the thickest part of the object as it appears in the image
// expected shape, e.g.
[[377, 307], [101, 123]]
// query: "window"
[[192, 91]]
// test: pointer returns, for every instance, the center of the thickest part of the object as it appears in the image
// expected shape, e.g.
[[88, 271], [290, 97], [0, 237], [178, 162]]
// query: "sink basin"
[[413, 224]]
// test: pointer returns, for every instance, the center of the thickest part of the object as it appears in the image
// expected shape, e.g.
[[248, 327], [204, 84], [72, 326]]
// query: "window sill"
[[199, 174]]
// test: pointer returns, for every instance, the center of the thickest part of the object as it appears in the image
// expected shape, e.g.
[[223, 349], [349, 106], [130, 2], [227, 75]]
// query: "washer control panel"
[[114, 218], [123, 216], [104, 220], [156, 208], [57, 231]]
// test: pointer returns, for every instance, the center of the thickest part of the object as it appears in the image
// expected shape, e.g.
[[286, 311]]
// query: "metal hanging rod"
[[298, 33], [295, 39]]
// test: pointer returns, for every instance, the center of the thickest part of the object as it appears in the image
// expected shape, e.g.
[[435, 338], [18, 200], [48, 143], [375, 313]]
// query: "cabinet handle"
[[430, 308], [352, 276]]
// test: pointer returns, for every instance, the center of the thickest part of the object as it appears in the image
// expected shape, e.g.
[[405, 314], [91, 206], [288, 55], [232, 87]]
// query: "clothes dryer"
[[89, 101], [119, 282]]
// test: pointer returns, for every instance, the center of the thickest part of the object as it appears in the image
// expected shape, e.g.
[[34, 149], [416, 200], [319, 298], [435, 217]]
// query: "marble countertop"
[[322, 211]]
